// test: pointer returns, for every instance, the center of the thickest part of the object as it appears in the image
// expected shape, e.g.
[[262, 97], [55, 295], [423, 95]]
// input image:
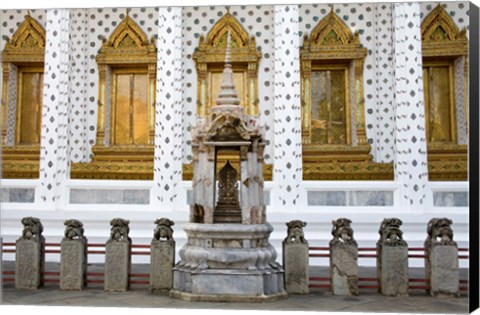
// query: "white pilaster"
[[287, 165], [411, 149], [168, 110], [384, 83], [54, 152]]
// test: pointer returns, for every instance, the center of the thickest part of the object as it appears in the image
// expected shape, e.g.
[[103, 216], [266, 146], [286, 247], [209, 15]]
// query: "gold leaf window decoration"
[[210, 57], [334, 140], [23, 67], [445, 79], [126, 107]]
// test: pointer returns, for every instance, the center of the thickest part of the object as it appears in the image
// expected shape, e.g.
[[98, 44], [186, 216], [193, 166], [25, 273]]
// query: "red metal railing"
[[92, 277], [314, 252], [373, 283]]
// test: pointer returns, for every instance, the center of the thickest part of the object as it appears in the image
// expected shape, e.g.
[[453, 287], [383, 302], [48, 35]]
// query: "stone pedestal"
[[29, 263], [392, 269], [442, 269], [228, 263], [344, 268], [117, 265], [162, 259], [295, 264], [73, 264]]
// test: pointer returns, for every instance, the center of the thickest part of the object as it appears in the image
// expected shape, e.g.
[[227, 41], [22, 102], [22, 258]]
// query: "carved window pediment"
[[27, 43], [127, 44], [440, 35], [332, 39], [210, 57]]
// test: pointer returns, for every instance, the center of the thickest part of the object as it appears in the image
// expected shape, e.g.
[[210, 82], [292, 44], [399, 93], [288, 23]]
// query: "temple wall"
[[366, 203]]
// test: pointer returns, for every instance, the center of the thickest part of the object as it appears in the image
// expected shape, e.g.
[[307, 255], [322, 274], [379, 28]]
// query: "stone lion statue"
[[342, 232], [73, 230], [295, 232], [163, 229], [390, 233], [32, 228], [440, 232], [119, 230]]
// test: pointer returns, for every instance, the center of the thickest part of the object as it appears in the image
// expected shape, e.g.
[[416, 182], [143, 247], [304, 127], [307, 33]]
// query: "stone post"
[[73, 261], [162, 256], [343, 259], [295, 258], [441, 261], [392, 259], [30, 255], [117, 256]]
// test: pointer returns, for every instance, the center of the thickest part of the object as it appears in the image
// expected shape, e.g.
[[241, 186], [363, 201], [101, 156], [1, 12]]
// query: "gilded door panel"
[[439, 107], [328, 107], [122, 109], [31, 107], [140, 109]]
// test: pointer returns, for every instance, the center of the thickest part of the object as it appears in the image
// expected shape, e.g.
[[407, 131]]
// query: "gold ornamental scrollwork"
[[443, 44], [127, 51], [332, 46], [210, 56], [25, 49]]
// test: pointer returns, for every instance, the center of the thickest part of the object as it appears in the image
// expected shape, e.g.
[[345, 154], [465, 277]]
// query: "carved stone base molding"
[[447, 162], [117, 162], [21, 161], [339, 162]]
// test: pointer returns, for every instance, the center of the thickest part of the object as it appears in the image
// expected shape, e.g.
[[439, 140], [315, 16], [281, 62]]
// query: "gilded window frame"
[[141, 53], [447, 161], [347, 49], [211, 53]]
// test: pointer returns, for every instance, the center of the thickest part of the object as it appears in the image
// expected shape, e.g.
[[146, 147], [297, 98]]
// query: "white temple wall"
[[96, 202]]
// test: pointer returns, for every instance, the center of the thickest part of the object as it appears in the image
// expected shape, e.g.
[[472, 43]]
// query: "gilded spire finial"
[[228, 95]]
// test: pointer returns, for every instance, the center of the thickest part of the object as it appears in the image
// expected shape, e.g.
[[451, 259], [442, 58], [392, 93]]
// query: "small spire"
[[228, 95]]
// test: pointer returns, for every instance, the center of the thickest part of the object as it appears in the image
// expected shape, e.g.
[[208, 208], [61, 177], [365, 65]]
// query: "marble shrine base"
[[228, 263]]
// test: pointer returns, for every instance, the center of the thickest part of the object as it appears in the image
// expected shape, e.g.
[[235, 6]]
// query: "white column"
[[54, 152], [411, 149], [79, 85], [384, 83], [287, 164], [168, 111]]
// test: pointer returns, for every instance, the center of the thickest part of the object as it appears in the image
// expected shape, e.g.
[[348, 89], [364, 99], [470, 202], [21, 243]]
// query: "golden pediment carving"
[[210, 57], [212, 49], [441, 36], [332, 31], [438, 26], [217, 37], [27, 43], [127, 44]]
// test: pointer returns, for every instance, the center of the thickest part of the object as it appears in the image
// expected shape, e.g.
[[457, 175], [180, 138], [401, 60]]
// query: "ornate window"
[[333, 120], [445, 76], [210, 58], [23, 67], [210, 61], [126, 108]]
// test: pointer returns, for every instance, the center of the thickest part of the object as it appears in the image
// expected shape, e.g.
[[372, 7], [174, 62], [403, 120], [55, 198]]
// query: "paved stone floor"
[[318, 300]]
